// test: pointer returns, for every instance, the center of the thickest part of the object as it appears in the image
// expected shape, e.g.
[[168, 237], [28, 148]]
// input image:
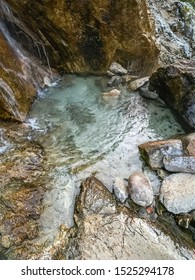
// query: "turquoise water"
[[85, 133]]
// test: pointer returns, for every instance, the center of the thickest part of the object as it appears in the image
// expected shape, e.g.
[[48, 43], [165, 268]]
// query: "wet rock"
[[183, 220], [129, 78], [134, 85], [114, 81], [21, 190], [69, 28], [179, 164], [113, 93], [154, 179], [177, 193], [145, 92], [107, 231], [176, 86], [153, 152], [120, 189], [140, 189], [117, 69], [169, 23], [188, 142]]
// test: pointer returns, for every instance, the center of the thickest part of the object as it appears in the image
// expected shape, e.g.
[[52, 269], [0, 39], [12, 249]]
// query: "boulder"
[[177, 193], [176, 86], [179, 164], [136, 84], [86, 36], [154, 151], [140, 189]]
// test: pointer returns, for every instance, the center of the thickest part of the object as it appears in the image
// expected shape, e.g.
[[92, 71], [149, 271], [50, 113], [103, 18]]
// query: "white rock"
[[177, 193], [120, 189], [134, 85], [116, 68]]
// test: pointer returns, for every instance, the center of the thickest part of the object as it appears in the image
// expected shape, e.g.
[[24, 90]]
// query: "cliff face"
[[86, 36], [15, 92]]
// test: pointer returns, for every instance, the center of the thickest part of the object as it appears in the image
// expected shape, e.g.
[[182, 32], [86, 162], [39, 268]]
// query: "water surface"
[[85, 133]]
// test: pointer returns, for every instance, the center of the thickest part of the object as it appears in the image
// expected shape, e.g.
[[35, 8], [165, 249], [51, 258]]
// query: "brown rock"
[[154, 151], [87, 36]]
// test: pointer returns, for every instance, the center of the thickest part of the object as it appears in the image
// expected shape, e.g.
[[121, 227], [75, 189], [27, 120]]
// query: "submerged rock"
[[113, 93], [114, 81], [140, 189], [177, 193], [153, 152], [179, 164]]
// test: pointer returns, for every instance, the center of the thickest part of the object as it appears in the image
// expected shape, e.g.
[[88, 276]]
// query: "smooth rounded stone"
[[177, 193], [134, 85], [120, 189], [153, 152], [179, 164], [140, 189], [118, 69]]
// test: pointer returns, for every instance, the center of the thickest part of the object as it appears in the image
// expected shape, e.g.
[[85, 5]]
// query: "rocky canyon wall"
[[86, 36]]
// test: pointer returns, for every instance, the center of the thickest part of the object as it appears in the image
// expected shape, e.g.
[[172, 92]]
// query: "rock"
[[113, 93], [69, 28], [140, 189], [129, 78], [114, 81], [183, 220], [169, 23], [188, 142], [103, 228], [136, 84], [117, 69], [154, 151], [176, 86], [179, 164], [177, 193], [145, 92], [120, 189], [110, 74]]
